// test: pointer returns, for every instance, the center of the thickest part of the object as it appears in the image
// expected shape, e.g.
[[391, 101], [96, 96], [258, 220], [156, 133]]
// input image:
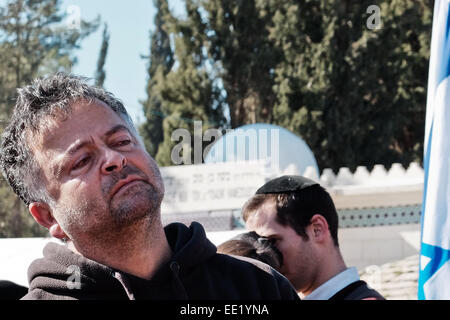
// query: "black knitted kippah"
[[286, 184]]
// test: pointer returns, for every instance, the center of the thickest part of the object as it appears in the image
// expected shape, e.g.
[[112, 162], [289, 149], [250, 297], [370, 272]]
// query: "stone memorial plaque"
[[206, 187]]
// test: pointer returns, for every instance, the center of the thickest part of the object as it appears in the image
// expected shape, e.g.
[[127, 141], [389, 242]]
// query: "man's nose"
[[114, 162]]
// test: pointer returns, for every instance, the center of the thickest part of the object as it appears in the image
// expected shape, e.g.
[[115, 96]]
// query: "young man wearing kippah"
[[300, 216]]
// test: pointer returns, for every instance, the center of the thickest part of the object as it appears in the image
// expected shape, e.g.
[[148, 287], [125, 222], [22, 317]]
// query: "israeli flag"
[[434, 273]]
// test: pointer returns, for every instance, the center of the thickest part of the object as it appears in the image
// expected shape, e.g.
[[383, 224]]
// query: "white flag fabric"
[[434, 273]]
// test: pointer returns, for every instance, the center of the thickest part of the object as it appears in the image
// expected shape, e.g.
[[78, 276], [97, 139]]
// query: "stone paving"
[[395, 280]]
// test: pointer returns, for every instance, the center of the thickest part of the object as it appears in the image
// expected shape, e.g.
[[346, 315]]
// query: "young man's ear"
[[319, 228], [43, 215]]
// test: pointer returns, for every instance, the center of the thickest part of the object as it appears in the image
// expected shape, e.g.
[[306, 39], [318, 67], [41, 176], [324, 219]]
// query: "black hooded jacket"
[[195, 271]]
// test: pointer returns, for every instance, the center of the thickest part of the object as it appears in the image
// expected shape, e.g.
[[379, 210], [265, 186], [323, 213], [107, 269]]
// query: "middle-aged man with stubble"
[[72, 154]]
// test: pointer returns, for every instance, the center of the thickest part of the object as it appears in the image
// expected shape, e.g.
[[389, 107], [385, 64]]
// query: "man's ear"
[[41, 212], [319, 228]]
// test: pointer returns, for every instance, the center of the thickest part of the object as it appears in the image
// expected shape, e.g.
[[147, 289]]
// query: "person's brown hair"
[[251, 245]]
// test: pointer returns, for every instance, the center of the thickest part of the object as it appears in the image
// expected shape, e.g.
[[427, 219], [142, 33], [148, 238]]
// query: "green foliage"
[[238, 43], [160, 63], [356, 95], [100, 73], [34, 40], [181, 92], [15, 220]]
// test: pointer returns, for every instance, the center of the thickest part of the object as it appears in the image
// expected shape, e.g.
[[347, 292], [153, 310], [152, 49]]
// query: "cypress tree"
[[100, 73], [160, 63], [354, 93]]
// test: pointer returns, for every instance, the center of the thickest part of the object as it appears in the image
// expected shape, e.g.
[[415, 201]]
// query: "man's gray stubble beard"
[[124, 211]]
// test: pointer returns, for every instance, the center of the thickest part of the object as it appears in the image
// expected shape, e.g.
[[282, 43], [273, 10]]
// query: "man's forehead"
[[264, 215], [84, 119]]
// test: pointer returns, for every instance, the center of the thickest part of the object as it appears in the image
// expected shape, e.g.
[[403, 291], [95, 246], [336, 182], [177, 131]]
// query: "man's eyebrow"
[[115, 129], [58, 168], [77, 146]]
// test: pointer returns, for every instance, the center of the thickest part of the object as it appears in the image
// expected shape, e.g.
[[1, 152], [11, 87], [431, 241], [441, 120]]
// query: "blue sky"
[[129, 25]]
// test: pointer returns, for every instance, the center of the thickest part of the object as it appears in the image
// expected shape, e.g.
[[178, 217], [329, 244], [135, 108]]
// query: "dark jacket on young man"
[[358, 290], [195, 271]]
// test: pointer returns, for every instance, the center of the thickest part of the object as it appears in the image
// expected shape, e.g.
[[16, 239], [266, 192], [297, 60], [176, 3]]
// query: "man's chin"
[[135, 205]]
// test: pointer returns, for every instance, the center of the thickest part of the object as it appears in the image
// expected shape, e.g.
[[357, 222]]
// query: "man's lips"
[[124, 183]]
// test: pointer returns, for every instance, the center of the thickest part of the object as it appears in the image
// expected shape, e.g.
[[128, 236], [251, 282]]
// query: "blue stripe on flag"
[[438, 257], [435, 255]]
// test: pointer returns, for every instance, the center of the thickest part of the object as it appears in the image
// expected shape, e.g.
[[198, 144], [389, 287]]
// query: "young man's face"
[[299, 257], [100, 176]]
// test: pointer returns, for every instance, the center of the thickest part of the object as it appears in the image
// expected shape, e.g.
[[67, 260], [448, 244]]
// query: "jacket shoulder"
[[255, 274], [358, 290], [364, 292]]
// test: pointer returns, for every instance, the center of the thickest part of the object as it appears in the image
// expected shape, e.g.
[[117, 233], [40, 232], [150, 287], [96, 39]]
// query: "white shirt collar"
[[328, 289]]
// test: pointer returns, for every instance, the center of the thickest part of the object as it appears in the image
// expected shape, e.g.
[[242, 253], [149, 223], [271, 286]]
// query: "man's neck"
[[141, 251], [330, 267]]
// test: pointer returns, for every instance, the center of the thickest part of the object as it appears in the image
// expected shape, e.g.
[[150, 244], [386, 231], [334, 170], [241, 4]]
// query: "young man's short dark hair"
[[296, 208]]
